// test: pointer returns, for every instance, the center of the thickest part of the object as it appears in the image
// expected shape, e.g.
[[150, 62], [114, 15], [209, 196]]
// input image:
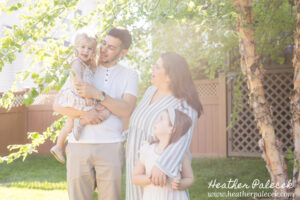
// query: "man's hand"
[[86, 90], [102, 111], [100, 108], [157, 177], [91, 117]]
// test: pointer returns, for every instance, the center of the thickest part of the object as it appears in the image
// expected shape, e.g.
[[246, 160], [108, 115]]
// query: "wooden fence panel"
[[12, 128], [39, 118], [15, 123], [209, 137]]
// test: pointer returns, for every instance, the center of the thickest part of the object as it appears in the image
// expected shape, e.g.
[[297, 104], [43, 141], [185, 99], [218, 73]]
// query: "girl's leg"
[[77, 127], [57, 150], [64, 133]]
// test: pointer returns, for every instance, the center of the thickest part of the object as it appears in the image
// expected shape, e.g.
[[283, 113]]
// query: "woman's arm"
[[187, 179], [139, 176]]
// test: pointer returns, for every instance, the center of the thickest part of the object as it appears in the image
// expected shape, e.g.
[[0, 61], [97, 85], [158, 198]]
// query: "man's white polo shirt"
[[114, 81]]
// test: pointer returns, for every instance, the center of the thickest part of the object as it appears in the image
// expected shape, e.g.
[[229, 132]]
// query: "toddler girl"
[[168, 128], [83, 68]]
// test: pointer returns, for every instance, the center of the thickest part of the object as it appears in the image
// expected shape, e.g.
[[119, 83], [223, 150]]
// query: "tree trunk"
[[252, 70], [295, 103]]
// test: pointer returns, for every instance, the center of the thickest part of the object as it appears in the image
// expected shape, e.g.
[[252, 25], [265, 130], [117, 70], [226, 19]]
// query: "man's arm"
[[120, 107], [125, 123], [89, 117], [68, 111]]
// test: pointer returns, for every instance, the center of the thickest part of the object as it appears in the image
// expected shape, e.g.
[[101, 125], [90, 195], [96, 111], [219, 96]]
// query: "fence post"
[[222, 115]]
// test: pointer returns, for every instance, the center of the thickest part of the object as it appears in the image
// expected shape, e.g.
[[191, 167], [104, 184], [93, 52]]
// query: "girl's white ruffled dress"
[[68, 96], [148, 157]]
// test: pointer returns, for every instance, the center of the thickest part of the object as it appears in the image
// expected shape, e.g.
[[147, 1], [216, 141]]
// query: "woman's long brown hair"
[[182, 85]]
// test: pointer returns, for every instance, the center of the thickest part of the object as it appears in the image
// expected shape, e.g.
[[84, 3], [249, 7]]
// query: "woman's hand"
[[158, 177], [86, 90]]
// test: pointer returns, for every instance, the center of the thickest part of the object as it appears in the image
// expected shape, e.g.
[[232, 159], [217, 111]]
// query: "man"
[[96, 159]]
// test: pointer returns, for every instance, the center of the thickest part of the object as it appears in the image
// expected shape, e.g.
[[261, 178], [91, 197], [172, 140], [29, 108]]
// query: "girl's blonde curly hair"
[[93, 41]]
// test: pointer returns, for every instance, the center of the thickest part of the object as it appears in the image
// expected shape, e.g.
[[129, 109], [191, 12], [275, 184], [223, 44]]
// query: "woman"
[[172, 86]]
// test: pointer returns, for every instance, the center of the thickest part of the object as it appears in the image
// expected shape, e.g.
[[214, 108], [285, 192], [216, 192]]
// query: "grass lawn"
[[43, 178]]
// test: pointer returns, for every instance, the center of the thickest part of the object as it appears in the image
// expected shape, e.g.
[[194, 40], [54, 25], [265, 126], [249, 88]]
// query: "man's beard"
[[113, 59]]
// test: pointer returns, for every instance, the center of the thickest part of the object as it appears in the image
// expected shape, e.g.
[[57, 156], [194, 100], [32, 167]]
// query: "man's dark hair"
[[123, 35]]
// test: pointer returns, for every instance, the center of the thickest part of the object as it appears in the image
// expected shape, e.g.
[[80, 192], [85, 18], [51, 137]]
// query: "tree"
[[252, 69], [295, 103]]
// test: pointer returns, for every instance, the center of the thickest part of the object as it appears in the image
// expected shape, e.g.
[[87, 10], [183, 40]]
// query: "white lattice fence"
[[207, 89], [243, 137], [18, 100], [44, 99]]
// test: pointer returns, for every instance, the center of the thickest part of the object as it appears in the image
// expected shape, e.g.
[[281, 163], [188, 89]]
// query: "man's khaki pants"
[[94, 165]]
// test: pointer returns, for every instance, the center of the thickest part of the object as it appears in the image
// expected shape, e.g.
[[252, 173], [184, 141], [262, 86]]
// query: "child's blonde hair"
[[90, 39]]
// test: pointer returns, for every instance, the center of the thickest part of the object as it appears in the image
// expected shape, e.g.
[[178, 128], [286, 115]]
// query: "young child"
[[168, 128], [83, 68]]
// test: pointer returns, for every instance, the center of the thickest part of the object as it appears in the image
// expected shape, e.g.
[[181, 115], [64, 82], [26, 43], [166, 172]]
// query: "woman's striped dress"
[[140, 129]]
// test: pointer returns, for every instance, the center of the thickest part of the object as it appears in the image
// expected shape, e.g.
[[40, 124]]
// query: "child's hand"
[[176, 183], [86, 90], [89, 102], [75, 79]]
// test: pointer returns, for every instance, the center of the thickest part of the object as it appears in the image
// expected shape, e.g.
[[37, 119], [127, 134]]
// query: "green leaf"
[[191, 6], [34, 75], [28, 100], [34, 93], [27, 73]]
